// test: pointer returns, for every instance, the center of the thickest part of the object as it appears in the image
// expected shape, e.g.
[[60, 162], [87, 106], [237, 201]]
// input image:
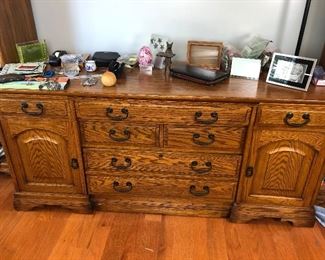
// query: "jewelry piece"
[[88, 82]]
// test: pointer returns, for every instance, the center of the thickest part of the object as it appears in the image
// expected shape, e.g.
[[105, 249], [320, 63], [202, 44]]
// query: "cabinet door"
[[284, 167], [44, 155]]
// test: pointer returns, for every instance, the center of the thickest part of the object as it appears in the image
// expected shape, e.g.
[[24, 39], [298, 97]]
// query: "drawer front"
[[291, 115], [118, 134], [34, 107], [123, 162], [130, 186], [168, 112], [222, 139]]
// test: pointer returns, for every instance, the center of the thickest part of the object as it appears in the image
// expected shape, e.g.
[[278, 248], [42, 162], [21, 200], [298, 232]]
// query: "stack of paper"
[[24, 68]]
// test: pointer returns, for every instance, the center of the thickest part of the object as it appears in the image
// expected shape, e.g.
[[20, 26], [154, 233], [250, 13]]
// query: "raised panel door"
[[285, 170], [44, 155]]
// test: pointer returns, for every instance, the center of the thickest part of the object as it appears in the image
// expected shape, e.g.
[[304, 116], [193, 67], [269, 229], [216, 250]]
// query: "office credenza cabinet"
[[241, 149]]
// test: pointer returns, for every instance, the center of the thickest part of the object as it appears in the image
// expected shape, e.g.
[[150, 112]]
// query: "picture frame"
[[33, 51], [204, 54], [291, 71]]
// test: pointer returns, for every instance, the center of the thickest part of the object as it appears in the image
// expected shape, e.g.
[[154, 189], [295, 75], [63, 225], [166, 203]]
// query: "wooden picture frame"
[[291, 71], [204, 54]]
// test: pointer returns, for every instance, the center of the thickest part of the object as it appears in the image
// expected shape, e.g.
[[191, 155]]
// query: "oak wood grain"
[[274, 114], [43, 152], [161, 187], [160, 161], [51, 107], [283, 165], [223, 139], [183, 207], [8, 158], [30, 200], [286, 169], [164, 112], [102, 133], [298, 216]]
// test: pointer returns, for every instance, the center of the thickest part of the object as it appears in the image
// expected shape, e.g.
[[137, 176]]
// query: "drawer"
[[118, 134], [294, 115], [221, 139], [200, 113], [123, 161], [130, 186], [34, 107]]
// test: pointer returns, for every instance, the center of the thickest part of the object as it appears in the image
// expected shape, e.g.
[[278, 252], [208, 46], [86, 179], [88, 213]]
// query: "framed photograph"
[[291, 71], [204, 54]]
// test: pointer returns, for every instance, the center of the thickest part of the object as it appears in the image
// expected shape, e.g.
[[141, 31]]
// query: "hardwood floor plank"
[[83, 237], [133, 236], [280, 234], [307, 244], [186, 238], [216, 239], [33, 234], [6, 192]]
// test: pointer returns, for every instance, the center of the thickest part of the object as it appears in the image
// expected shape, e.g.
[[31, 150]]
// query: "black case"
[[197, 74], [103, 58]]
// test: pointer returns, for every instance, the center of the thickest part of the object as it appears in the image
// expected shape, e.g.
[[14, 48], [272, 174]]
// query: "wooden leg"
[[75, 202], [298, 216]]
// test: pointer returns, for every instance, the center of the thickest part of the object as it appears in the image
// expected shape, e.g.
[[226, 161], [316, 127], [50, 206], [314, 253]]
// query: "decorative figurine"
[[168, 55], [145, 59], [158, 43]]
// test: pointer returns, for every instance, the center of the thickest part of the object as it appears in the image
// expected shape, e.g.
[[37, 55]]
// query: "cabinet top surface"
[[135, 85]]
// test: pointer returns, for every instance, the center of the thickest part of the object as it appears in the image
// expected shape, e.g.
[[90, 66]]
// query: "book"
[[27, 67], [12, 68]]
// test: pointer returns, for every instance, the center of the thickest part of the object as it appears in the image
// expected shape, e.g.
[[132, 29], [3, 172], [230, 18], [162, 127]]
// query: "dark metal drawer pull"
[[214, 118], [126, 133], [127, 188], [196, 136], [121, 167], [124, 111], [74, 163], [39, 106], [201, 170], [289, 115], [204, 192]]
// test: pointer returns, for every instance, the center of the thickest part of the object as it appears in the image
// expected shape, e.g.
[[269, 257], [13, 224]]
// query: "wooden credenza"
[[243, 149]]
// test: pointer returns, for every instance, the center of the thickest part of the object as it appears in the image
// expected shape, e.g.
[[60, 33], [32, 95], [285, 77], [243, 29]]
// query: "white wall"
[[126, 25]]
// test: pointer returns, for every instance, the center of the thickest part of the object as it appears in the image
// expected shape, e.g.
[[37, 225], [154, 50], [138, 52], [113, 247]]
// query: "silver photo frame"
[[291, 71]]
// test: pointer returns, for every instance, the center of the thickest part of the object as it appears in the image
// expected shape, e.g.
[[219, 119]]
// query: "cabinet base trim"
[[298, 216], [30, 200], [163, 206]]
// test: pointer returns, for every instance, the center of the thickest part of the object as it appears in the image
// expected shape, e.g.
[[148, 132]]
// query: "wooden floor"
[[57, 234]]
